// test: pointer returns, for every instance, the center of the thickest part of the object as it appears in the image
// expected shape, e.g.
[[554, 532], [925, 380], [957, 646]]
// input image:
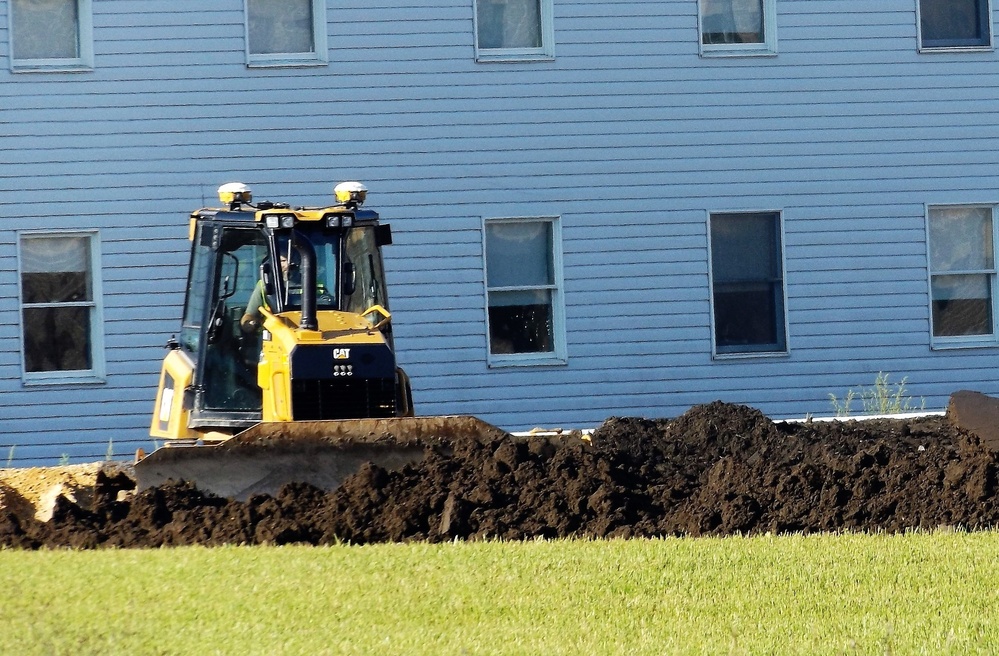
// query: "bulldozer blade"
[[267, 456]]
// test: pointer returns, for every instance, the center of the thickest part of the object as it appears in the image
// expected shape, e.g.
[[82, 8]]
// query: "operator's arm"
[[252, 317]]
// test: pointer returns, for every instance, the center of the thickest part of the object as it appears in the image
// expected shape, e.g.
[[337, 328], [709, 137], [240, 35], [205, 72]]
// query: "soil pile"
[[34, 491], [719, 469]]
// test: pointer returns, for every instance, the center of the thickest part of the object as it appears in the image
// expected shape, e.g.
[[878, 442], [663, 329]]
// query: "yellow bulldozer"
[[284, 369]]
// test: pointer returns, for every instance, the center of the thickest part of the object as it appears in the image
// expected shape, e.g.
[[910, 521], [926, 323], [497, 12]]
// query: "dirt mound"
[[719, 469], [34, 491]]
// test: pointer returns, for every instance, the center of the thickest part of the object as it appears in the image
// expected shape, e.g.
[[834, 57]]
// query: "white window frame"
[[966, 341], [767, 48], [545, 53], [84, 61], [292, 59], [987, 46], [96, 374], [558, 355], [782, 320]]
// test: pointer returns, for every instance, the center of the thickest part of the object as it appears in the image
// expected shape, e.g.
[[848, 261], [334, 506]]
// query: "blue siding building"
[[599, 208]]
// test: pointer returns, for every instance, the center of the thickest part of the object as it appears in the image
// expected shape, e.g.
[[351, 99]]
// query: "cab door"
[[225, 269]]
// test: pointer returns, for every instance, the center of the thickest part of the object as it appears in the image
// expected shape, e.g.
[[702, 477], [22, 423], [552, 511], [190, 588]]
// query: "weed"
[[64, 460], [881, 398], [10, 457], [842, 409]]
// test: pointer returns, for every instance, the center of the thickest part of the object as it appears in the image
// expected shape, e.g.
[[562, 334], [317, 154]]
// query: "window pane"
[[519, 254], [369, 288], [57, 339], [748, 291], [746, 314], [280, 26], [954, 22], [743, 247], [194, 304], [731, 21], [509, 23], [962, 305], [961, 239], [521, 322], [45, 29], [55, 270], [231, 356]]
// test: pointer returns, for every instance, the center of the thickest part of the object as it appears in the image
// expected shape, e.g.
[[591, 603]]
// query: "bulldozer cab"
[[300, 270]]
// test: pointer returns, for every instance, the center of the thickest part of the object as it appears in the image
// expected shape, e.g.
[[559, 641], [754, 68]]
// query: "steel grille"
[[342, 399]]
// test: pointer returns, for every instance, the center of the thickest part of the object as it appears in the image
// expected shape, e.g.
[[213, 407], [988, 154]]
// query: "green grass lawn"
[[833, 594]]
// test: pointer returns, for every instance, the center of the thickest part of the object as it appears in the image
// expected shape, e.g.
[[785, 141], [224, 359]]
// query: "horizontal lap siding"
[[926, 132], [628, 136], [848, 154]]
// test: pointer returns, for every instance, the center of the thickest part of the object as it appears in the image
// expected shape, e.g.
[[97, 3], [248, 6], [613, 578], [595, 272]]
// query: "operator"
[[252, 317]]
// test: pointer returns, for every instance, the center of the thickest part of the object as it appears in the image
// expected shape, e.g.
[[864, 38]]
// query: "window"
[[513, 30], [229, 374], [60, 308], [738, 27], [962, 274], [285, 32], [954, 24], [747, 283], [50, 35], [523, 291]]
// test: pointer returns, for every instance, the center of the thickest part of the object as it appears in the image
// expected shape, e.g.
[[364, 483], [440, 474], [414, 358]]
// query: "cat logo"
[[341, 354]]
